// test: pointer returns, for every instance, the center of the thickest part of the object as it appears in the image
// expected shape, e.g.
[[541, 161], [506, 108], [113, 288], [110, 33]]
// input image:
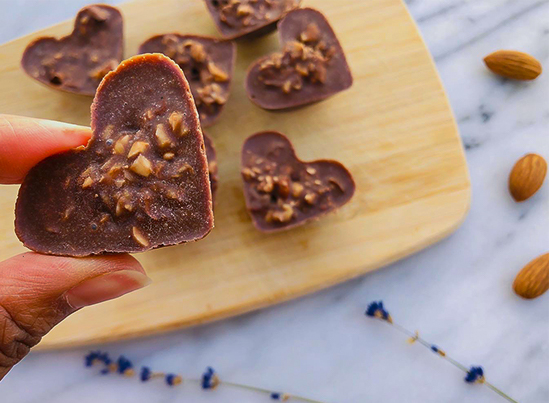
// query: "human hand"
[[38, 291]]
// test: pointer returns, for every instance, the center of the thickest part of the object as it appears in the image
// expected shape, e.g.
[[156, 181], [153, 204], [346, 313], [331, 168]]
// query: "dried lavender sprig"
[[473, 375], [209, 379]]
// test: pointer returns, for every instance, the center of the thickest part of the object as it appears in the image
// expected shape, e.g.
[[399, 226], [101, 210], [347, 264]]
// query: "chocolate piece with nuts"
[[140, 183], [281, 191], [311, 67], [212, 164], [248, 18], [77, 63], [208, 64]]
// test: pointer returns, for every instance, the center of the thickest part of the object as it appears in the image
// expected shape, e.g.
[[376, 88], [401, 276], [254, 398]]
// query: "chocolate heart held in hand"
[[141, 182], [248, 18], [77, 63], [212, 164], [311, 67], [208, 64], [282, 191]]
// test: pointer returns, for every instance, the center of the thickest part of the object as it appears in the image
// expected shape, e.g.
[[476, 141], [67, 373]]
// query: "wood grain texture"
[[393, 129]]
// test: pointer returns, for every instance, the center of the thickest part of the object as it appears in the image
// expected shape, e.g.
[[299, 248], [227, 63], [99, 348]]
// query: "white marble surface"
[[457, 293]]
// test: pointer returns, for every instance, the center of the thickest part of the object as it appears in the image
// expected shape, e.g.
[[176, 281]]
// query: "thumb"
[[38, 291]]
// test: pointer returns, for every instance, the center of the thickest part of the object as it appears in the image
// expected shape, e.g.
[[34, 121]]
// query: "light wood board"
[[393, 129]]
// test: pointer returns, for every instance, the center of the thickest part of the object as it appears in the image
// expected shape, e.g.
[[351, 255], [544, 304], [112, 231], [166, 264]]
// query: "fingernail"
[[105, 287]]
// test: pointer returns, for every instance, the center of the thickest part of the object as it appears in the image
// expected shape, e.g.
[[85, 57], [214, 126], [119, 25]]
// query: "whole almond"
[[533, 280], [513, 64], [527, 176]]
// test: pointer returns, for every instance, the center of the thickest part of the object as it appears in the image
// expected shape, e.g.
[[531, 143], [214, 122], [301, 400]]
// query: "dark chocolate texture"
[[282, 191], [248, 18], [208, 64], [141, 182], [311, 67], [212, 164], [78, 62]]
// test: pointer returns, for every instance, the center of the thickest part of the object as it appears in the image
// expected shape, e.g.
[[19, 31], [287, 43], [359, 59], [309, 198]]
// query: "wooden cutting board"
[[393, 129]]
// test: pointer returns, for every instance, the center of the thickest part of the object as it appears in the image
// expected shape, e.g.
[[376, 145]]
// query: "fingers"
[[38, 291], [26, 141]]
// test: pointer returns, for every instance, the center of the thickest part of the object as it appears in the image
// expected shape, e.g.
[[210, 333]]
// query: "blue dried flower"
[[209, 379], [376, 310], [475, 374], [438, 351], [279, 396], [104, 358], [124, 366], [145, 374], [173, 379], [90, 358]]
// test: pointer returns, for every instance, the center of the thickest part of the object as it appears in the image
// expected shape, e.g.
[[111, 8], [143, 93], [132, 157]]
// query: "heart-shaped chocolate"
[[140, 183], [212, 164], [248, 18], [311, 67], [208, 64], [282, 191], [78, 62]]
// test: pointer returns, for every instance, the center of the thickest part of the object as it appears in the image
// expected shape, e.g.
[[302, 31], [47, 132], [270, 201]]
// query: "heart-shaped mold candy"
[[311, 67], [78, 62], [248, 18], [208, 64], [281, 191], [212, 164], [140, 183]]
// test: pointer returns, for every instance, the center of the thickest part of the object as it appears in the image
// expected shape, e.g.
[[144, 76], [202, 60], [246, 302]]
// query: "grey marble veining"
[[457, 293]]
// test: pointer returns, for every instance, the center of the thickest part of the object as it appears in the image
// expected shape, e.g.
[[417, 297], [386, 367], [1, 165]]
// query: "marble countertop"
[[457, 293]]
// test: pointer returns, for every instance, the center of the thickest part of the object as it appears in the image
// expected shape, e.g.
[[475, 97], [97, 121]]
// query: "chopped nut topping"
[[97, 13], [162, 136], [108, 132], [280, 216], [311, 170], [287, 87], [185, 167], [310, 198], [114, 169], [139, 237], [244, 9], [149, 115], [248, 174], [141, 166], [172, 193], [138, 147], [302, 70], [87, 183], [211, 94], [283, 186], [311, 33], [53, 230], [67, 213], [123, 204], [197, 52], [120, 145], [175, 120], [297, 189], [104, 69], [267, 185], [217, 73], [168, 156]]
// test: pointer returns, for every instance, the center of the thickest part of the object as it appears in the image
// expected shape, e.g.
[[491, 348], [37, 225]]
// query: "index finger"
[[24, 142]]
